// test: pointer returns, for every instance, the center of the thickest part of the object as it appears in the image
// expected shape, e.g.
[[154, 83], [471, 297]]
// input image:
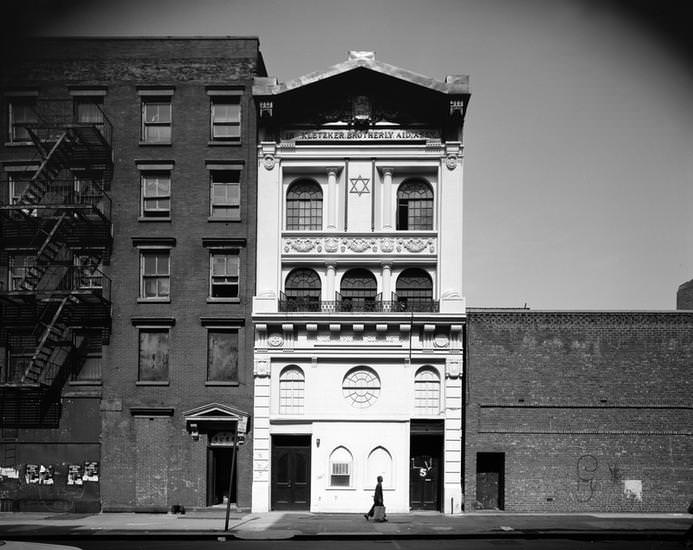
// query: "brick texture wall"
[[593, 411]]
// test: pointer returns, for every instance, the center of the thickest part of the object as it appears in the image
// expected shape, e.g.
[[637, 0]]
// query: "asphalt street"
[[421, 544]]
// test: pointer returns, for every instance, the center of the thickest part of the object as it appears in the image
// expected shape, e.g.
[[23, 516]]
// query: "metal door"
[[291, 478]]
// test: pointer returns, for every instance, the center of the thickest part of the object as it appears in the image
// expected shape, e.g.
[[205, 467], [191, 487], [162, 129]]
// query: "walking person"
[[378, 508]]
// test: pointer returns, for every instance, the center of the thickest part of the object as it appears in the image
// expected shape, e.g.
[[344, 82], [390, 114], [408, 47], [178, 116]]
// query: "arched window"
[[291, 390], [380, 464], [414, 290], [427, 391], [304, 206], [361, 386], [415, 205], [358, 290], [302, 290], [341, 464]]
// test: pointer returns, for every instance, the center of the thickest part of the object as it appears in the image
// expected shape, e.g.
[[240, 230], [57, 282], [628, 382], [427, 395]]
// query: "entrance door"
[[219, 470], [290, 472], [490, 480], [425, 472]]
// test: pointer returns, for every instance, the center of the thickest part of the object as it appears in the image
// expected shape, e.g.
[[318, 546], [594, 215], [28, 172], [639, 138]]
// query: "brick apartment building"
[[127, 256]]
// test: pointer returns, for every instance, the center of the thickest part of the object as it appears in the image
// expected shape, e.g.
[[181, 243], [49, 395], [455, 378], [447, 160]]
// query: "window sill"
[[156, 144], [145, 219], [152, 383], [221, 383], [18, 144], [220, 219], [342, 489], [153, 300], [85, 383], [224, 300], [217, 143]]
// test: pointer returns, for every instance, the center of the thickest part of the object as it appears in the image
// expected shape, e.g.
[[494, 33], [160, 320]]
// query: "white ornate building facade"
[[359, 311]]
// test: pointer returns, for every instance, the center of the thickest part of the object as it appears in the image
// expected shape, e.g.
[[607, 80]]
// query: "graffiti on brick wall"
[[587, 465]]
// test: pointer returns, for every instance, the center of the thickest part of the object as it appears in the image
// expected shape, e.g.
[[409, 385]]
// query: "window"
[[20, 350], [224, 274], [358, 291], [415, 205], [20, 266], [222, 355], [302, 290], [361, 386], [156, 119], [340, 468], [414, 291], [427, 391], [380, 464], [18, 184], [89, 271], [21, 111], [304, 206], [88, 110], [88, 367], [291, 391], [156, 194], [225, 194], [153, 354], [155, 274], [226, 118]]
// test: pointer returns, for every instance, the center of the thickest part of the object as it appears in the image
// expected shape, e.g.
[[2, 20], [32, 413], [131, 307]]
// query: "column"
[[261, 435], [387, 282], [452, 488], [387, 198], [329, 283], [332, 199]]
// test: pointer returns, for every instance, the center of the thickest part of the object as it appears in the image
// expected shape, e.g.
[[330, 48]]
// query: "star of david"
[[359, 185]]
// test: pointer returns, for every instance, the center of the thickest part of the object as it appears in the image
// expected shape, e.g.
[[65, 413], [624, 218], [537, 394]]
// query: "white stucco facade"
[[360, 386]]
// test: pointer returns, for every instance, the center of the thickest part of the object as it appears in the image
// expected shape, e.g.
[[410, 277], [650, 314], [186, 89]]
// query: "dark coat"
[[378, 496]]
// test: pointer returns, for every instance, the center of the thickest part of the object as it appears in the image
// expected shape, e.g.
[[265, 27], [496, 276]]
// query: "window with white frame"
[[156, 119], [341, 463], [156, 194], [87, 368], [427, 391], [225, 194], [415, 205], [21, 112], [224, 267], [155, 274], [291, 390], [18, 184], [89, 271], [304, 206], [225, 116]]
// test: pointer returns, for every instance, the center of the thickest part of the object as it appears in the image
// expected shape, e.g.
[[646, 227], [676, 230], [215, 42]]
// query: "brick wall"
[[592, 410], [188, 67]]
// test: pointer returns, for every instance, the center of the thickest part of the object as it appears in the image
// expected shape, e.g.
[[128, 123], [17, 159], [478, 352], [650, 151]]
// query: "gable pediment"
[[214, 412]]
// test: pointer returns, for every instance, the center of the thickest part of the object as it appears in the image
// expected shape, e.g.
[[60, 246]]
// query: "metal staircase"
[[54, 224]]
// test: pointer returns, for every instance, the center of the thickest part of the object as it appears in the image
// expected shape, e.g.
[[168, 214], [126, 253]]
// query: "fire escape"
[[55, 234]]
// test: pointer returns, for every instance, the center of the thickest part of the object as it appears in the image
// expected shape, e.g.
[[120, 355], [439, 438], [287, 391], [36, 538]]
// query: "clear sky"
[[578, 164]]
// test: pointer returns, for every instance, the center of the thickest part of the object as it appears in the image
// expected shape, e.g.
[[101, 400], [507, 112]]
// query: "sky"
[[578, 140]]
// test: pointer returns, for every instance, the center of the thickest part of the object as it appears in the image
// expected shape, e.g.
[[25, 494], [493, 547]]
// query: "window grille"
[[304, 206]]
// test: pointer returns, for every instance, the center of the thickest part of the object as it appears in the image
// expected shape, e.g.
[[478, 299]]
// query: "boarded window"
[[153, 364], [222, 356]]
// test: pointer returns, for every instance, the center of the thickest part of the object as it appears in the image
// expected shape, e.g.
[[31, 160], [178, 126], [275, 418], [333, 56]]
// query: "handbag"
[[379, 513]]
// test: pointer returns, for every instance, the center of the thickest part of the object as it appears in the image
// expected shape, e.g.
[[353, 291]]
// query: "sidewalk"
[[304, 525]]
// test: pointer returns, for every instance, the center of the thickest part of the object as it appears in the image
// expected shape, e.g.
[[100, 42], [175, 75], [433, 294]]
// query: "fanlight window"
[[358, 290], [427, 391], [302, 290], [361, 386], [341, 463], [415, 205], [304, 206], [414, 290], [291, 391]]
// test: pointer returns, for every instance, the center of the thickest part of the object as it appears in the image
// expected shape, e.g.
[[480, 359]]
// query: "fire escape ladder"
[[54, 345], [56, 160], [47, 254]]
